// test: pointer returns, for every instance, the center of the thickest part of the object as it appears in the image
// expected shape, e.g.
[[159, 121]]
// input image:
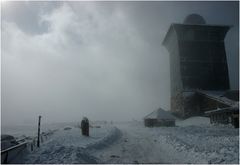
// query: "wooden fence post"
[[31, 146], [39, 122]]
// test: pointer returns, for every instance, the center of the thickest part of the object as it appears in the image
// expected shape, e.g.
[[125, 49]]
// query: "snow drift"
[[71, 147]]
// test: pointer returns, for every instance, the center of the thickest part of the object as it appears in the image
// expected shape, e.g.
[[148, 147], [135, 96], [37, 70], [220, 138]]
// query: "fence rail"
[[10, 153], [7, 154]]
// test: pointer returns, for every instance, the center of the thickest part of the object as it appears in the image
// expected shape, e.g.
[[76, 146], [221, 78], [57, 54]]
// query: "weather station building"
[[198, 65]]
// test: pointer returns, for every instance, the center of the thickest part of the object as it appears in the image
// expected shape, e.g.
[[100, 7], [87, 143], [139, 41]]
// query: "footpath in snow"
[[192, 141]]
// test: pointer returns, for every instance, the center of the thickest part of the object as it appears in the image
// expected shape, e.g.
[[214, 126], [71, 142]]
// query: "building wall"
[[175, 74], [197, 61], [225, 118], [203, 63], [158, 123], [150, 122], [177, 104], [202, 67], [191, 103], [233, 95]]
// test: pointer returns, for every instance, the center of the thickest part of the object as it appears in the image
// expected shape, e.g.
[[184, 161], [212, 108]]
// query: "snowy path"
[[135, 146], [182, 144]]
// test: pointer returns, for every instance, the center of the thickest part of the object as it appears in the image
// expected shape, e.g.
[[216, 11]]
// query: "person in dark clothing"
[[85, 126]]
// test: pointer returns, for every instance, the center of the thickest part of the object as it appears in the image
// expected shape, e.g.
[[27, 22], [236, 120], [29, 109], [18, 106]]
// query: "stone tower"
[[197, 61]]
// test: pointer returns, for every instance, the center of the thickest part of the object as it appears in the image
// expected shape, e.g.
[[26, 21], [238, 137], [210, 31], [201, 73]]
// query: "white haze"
[[91, 60]]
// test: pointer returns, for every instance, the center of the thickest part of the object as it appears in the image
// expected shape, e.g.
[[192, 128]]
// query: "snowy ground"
[[69, 146], [135, 146], [196, 142], [193, 141]]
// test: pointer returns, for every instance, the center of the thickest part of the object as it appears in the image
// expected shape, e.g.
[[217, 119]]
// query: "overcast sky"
[[103, 60]]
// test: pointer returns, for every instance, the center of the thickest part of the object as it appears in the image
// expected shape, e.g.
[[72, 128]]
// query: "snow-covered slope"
[[69, 146]]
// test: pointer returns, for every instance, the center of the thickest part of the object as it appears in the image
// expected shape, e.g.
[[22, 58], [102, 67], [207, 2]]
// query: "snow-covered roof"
[[218, 96], [160, 114], [222, 110]]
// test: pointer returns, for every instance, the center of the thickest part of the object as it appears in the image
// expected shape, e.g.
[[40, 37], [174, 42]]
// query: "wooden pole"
[[39, 122]]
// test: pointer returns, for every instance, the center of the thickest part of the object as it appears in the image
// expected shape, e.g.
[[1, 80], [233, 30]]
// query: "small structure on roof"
[[159, 118]]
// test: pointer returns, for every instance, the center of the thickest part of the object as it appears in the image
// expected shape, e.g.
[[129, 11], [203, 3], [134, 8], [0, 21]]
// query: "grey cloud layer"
[[88, 64], [101, 60]]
